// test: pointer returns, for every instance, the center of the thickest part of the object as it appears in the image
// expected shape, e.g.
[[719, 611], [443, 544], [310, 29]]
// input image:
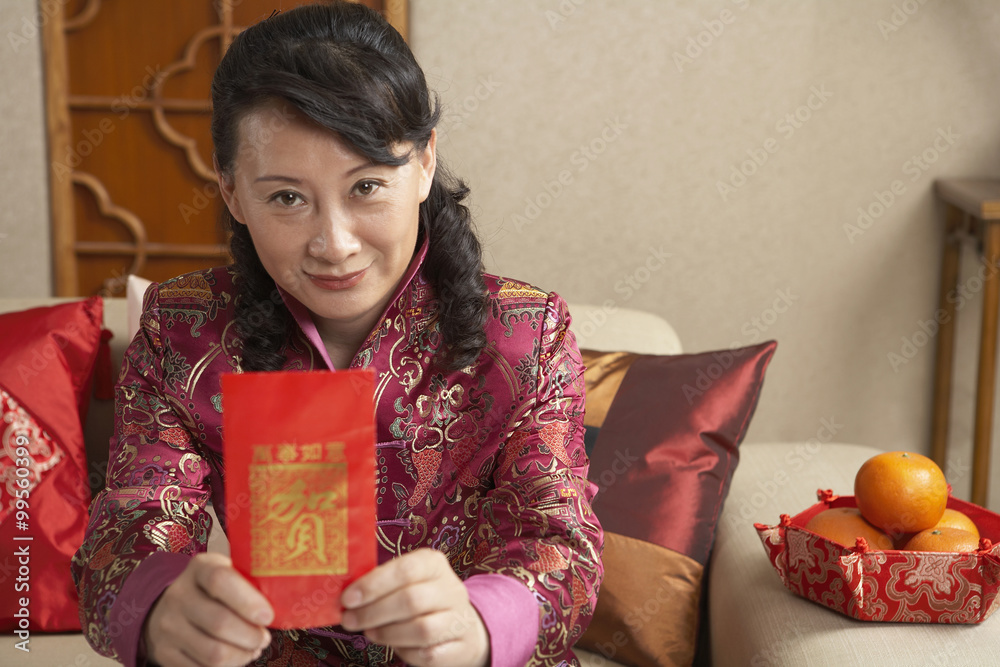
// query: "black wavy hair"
[[345, 68]]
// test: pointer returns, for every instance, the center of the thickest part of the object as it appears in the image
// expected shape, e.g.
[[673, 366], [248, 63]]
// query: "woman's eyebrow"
[[283, 179], [298, 181]]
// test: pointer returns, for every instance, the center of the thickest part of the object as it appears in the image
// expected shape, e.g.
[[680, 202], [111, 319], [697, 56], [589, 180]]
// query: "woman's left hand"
[[418, 606]]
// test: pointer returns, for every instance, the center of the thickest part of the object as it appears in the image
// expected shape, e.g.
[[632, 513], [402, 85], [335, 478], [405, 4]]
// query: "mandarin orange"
[[901, 492], [844, 525], [943, 539], [955, 519]]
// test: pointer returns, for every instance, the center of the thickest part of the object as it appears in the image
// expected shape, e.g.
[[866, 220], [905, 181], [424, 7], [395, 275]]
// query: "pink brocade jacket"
[[485, 464]]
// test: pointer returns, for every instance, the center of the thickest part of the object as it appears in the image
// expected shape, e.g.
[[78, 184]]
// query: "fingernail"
[[351, 597], [264, 616]]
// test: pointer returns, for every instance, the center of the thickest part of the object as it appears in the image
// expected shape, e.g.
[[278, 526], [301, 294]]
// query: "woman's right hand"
[[210, 615]]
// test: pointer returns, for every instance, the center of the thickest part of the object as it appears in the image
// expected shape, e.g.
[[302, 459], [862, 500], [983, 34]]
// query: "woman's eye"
[[287, 198], [366, 188]]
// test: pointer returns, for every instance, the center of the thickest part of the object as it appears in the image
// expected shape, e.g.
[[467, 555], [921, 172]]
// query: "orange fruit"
[[901, 492], [943, 539], [955, 519], [950, 519], [844, 525]]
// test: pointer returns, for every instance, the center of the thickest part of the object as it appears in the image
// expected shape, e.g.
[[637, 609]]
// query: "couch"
[[748, 618]]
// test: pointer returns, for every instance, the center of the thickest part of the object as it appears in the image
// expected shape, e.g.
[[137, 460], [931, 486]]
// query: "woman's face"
[[334, 230]]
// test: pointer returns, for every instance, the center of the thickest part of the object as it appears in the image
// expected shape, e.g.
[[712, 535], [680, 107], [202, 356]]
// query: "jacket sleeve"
[[149, 520], [536, 526]]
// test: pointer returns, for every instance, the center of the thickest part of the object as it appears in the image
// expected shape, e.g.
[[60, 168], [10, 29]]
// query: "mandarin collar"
[[303, 317]]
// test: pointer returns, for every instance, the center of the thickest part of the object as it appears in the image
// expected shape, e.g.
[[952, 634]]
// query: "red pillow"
[[46, 371], [663, 458]]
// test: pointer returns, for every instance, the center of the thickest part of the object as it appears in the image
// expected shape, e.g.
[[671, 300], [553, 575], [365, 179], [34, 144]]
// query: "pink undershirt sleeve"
[[510, 614]]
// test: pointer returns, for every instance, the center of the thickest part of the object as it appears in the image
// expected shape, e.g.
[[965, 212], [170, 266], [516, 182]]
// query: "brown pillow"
[[669, 427]]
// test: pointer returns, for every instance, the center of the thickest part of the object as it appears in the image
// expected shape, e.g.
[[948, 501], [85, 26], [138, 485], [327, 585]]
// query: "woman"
[[351, 249]]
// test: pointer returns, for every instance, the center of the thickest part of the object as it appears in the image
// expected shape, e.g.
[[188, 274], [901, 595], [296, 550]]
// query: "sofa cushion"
[[46, 374], [135, 290], [663, 457]]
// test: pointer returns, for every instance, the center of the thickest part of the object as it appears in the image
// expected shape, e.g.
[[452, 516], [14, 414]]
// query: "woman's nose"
[[334, 239]]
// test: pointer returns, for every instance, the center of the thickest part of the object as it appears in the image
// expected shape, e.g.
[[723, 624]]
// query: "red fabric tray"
[[902, 586]]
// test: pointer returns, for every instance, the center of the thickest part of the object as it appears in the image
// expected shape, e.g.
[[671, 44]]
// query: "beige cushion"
[[610, 327], [135, 289], [53, 650], [755, 620], [588, 659]]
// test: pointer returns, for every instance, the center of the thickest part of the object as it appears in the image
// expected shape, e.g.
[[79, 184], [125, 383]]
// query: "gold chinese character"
[[287, 453], [335, 451], [312, 452], [298, 519], [306, 534]]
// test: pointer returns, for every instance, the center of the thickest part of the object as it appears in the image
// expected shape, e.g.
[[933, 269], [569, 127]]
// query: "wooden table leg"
[[987, 366], [946, 336]]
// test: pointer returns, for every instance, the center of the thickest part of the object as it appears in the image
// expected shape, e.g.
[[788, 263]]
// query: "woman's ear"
[[427, 161], [227, 187]]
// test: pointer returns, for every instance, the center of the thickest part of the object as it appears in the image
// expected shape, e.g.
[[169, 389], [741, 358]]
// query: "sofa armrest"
[[755, 620]]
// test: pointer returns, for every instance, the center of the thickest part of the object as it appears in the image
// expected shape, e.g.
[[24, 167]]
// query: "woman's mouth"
[[334, 283]]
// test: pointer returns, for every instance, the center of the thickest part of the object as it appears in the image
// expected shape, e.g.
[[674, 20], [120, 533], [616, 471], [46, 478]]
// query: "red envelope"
[[300, 487]]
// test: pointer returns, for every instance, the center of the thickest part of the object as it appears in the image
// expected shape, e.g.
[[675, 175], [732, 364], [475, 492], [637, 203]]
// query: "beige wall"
[[528, 84], [599, 95], [25, 264]]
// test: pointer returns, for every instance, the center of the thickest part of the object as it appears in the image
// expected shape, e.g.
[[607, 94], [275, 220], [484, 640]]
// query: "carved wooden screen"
[[130, 150]]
